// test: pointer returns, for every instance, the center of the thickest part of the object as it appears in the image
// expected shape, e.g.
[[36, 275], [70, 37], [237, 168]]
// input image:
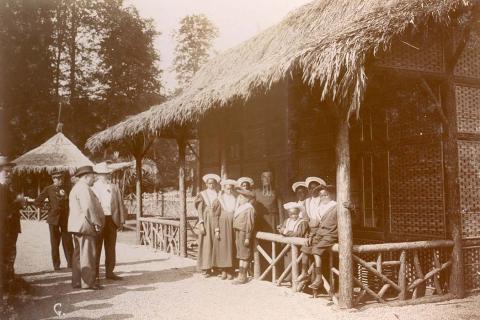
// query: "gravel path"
[[160, 286]]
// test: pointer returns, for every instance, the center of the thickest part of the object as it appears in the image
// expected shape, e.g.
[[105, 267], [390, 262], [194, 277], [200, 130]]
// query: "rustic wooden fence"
[[31, 212], [159, 204], [387, 272], [163, 233]]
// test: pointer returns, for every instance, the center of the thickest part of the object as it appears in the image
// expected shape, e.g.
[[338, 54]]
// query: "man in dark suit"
[[112, 204], [10, 205], [57, 218]]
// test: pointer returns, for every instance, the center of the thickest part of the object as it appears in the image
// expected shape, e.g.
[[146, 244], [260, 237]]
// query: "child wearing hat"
[[243, 223], [294, 226]]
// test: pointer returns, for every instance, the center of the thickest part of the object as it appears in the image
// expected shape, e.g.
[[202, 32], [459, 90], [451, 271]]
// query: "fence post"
[[294, 267], [182, 192], [402, 276], [256, 260]]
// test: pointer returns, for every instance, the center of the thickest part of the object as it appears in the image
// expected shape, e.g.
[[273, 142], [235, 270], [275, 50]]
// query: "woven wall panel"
[[415, 53], [471, 263], [416, 190], [468, 65], [469, 176], [468, 109]]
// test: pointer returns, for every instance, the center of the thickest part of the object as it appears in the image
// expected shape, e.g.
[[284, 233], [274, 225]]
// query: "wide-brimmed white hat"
[[213, 176], [244, 179], [315, 179], [292, 205], [102, 168], [299, 184], [226, 182]]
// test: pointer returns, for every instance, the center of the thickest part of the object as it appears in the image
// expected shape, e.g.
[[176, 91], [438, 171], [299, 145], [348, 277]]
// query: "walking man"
[[57, 219], [85, 222], [112, 204]]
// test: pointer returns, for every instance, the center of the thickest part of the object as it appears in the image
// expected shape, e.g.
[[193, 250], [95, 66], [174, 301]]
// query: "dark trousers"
[[108, 236], [9, 253], [57, 234], [84, 261]]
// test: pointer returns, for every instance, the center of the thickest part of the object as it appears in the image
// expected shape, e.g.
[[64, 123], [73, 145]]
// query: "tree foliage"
[[95, 57], [194, 40]]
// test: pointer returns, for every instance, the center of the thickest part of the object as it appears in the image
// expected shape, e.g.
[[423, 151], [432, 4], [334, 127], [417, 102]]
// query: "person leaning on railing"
[[323, 238]]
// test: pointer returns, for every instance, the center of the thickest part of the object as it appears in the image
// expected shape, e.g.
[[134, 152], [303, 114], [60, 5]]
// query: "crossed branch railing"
[[395, 271]]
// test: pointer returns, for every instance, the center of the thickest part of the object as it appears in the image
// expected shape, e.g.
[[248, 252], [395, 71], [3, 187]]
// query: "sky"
[[237, 20]]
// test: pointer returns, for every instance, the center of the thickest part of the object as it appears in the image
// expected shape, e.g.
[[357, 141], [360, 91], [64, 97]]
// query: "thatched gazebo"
[[381, 97], [57, 153]]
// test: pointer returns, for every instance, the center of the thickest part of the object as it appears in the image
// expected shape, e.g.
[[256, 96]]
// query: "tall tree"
[[194, 41], [27, 103], [130, 73]]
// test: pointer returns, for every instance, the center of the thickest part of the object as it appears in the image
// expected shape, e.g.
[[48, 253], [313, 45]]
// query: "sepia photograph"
[[253, 159]]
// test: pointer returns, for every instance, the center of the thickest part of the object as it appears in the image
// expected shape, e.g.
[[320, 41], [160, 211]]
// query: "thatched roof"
[[148, 166], [57, 153], [327, 41]]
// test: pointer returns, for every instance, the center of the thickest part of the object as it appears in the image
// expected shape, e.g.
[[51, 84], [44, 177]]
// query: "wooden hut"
[[381, 97]]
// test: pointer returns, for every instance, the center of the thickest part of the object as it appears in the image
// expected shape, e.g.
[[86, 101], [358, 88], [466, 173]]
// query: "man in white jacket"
[[86, 220]]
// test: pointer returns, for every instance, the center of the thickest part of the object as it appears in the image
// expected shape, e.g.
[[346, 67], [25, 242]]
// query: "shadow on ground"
[[44, 293]]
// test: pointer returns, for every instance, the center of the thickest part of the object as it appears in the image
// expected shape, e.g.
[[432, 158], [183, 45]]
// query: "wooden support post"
[[274, 267], [402, 276], [451, 173], [345, 241], [256, 261], [182, 191], [294, 267], [138, 169]]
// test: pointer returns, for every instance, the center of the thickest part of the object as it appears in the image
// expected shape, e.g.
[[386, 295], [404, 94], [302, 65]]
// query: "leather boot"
[[318, 282], [304, 275], [242, 277]]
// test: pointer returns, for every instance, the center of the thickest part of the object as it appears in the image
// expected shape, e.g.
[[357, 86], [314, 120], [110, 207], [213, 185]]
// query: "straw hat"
[[84, 170], [299, 184], [315, 179], [292, 205], [245, 179], [209, 176], [226, 182]]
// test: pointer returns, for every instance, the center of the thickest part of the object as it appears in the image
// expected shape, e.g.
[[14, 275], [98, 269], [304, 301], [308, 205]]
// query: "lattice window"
[[468, 64], [415, 53], [416, 189], [471, 263], [468, 109]]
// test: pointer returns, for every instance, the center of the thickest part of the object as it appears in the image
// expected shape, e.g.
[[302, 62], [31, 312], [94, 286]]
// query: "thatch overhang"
[[328, 42], [57, 153]]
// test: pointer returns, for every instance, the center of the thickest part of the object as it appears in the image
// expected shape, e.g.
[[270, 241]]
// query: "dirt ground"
[[160, 286]]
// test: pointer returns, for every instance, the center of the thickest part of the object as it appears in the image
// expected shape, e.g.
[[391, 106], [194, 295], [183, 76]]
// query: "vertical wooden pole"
[[182, 192], [138, 170], [198, 168], [294, 267], [256, 260], [274, 267], [345, 240], [402, 276], [451, 173]]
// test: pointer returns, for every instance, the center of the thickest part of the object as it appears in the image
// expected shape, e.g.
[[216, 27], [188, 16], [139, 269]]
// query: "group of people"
[[231, 211], [84, 220]]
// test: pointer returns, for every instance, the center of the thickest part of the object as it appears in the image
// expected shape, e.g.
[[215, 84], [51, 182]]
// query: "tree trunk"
[[138, 168], [182, 196], [345, 240], [73, 52]]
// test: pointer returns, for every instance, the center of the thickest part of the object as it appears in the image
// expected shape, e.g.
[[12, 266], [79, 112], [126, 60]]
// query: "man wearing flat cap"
[[57, 218], [85, 222], [10, 205]]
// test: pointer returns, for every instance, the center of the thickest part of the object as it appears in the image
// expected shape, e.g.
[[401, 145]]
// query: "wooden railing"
[[32, 212], [163, 233], [385, 272], [159, 204], [400, 271]]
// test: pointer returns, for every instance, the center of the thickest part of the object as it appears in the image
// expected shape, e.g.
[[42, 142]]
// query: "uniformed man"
[[57, 218], [9, 225]]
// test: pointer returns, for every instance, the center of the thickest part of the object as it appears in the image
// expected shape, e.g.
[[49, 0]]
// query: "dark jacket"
[[58, 202], [9, 212]]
